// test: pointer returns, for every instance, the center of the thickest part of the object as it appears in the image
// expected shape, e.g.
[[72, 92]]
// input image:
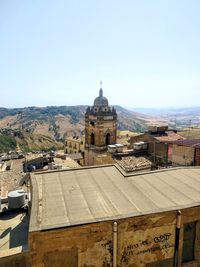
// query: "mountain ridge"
[[55, 123]]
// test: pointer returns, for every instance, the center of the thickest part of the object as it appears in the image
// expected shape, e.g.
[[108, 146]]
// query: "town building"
[[99, 216], [74, 144], [186, 152], [100, 129], [123, 137], [77, 157], [159, 139], [36, 161], [64, 163]]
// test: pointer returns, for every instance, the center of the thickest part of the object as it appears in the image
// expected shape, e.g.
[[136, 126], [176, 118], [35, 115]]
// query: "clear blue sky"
[[55, 52]]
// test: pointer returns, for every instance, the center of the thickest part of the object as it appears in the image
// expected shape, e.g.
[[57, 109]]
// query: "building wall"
[[104, 159], [191, 215], [197, 157], [86, 246], [93, 157], [142, 137], [74, 145], [144, 241], [154, 147], [100, 128], [183, 155], [15, 260]]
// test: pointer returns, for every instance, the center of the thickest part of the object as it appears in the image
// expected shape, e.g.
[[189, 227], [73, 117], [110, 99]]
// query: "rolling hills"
[[36, 128]]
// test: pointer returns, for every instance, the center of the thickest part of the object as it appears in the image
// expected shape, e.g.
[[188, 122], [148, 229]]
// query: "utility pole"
[[154, 150], [166, 162]]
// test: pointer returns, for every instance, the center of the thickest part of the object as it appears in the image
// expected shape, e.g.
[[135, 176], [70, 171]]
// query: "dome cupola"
[[101, 100]]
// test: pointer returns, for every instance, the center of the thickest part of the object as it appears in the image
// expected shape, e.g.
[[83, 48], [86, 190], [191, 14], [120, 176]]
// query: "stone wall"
[[86, 246], [141, 241], [154, 147], [100, 128], [14, 258], [183, 155], [144, 241], [93, 157], [147, 239]]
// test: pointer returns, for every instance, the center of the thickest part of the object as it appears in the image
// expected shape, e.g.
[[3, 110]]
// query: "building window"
[[92, 139], [189, 234], [107, 139]]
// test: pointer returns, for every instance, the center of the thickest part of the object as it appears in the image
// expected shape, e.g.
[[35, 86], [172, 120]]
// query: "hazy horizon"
[[54, 53], [125, 107]]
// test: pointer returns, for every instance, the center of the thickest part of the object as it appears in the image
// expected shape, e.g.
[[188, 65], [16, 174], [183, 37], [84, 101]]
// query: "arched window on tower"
[[107, 139], [92, 139]]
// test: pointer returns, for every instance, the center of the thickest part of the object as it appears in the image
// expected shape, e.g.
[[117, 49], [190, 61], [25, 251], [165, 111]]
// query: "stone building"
[[100, 217], [100, 128], [186, 152], [159, 139], [74, 144]]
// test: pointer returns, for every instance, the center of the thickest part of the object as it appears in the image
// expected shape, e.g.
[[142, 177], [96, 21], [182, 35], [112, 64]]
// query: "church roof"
[[101, 100]]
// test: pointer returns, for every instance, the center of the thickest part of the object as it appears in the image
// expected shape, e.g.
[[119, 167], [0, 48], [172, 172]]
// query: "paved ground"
[[13, 229]]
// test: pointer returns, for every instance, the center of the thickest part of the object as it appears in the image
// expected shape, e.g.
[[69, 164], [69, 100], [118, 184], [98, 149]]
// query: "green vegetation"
[[35, 142], [7, 143]]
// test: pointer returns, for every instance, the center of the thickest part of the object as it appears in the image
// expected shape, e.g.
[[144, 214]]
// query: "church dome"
[[101, 100]]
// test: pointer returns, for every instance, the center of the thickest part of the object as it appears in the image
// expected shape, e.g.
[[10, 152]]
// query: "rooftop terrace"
[[13, 231], [92, 194]]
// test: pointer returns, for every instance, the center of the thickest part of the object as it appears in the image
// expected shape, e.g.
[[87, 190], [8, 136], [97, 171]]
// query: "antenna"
[[100, 91]]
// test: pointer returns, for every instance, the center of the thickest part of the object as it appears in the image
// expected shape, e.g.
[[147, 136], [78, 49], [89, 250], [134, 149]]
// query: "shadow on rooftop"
[[19, 233]]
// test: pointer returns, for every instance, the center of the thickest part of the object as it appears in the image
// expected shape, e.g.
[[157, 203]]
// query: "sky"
[[56, 52]]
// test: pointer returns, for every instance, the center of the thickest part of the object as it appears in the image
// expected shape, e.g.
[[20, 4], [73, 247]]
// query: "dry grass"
[[192, 133], [65, 126]]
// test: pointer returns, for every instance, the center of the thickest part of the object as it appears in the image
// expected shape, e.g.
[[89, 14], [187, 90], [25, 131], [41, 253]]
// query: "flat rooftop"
[[73, 197], [13, 230], [67, 163]]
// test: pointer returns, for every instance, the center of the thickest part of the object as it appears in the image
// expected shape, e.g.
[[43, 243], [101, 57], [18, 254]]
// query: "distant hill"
[[176, 117], [170, 111], [47, 127]]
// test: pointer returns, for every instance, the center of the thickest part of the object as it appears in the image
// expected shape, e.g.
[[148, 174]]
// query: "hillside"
[[7, 143], [191, 133], [47, 127], [178, 118]]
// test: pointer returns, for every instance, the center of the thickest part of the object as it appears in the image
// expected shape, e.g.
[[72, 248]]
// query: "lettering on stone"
[[151, 245], [162, 238]]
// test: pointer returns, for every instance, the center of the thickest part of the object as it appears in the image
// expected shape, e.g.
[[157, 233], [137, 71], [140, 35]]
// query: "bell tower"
[[100, 127]]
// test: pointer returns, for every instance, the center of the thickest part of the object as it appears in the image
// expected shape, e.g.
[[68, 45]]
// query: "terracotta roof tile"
[[169, 137], [192, 142]]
